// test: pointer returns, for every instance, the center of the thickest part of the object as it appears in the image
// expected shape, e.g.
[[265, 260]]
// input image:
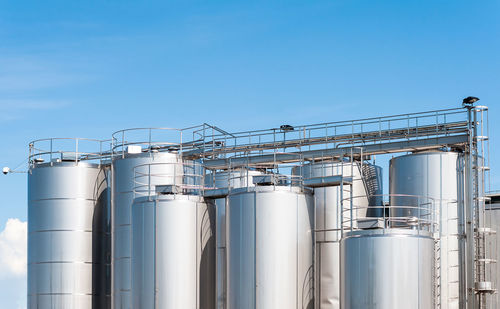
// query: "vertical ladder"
[[480, 159]]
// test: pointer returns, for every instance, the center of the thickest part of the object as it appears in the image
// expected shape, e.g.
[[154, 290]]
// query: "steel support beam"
[[372, 149]]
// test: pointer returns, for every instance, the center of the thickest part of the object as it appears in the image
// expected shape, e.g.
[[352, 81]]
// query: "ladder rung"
[[486, 168], [486, 261], [481, 137], [482, 198]]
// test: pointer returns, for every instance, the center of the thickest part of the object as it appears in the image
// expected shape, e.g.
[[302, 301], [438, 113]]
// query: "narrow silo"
[[68, 235], [236, 178], [387, 269], [328, 211], [139, 171], [173, 250], [435, 175], [269, 248], [493, 248]]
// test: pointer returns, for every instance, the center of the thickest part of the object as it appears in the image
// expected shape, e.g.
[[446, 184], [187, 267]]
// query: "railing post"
[[123, 144], [149, 139], [76, 151], [51, 141], [149, 182]]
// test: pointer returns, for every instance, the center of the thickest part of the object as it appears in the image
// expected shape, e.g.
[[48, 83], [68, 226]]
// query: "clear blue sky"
[[88, 68]]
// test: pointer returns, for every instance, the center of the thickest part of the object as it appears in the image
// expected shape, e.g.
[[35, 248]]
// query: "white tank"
[[68, 236], [328, 209], [173, 252], [239, 178], [269, 248], [435, 175], [387, 269], [140, 172]]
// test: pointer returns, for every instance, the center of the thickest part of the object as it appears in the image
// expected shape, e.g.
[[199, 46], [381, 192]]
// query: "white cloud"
[[22, 74], [17, 108], [16, 105], [13, 249]]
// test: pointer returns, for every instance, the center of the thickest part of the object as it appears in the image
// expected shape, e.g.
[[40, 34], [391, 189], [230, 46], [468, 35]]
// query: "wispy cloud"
[[30, 74], [16, 109], [16, 105], [13, 249]]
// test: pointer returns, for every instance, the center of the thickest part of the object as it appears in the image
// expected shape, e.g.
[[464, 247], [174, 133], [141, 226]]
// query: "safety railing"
[[185, 177], [272, 173], [67, 150], [395, 211], [253, 175], [337, 134], [193, 138], [146, 140]]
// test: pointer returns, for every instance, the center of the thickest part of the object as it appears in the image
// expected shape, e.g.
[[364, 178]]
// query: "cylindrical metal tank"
[[101, 239], [173, 252], [328, 210], [68, 236], [140, 172], [387, 269], [493, 248], [269, 248], [435, 175], [238, 178]]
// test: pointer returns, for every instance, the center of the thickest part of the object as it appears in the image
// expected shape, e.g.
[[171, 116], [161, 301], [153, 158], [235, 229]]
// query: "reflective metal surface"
[[328, 210], [435, 175], [387, 269], [492, 250], [173, 253], [239, 178], [269, 248], [124, 182], [68, 236]]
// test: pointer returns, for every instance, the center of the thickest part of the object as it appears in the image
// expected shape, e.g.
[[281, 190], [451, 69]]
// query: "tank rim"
[[266, 189], [67, 164], [144, 154], [172, 197], [431, 152], [389, 232]]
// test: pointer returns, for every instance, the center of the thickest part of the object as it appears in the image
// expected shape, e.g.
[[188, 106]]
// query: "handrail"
[[76, 149], [418, 213], [186, 176], [370, 120], [374, 130]]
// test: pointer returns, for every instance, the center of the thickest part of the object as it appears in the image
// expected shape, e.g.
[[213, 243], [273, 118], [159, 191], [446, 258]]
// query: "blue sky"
[[88, 68]]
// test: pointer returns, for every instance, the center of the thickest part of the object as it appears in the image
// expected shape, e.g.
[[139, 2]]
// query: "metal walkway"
[[399, 133]]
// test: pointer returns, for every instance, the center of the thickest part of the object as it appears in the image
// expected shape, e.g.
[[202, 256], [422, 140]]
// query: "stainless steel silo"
[[68, 236], [387, 269], [173, 252], [140, 172], [237, 178], [435, 175], [328, 208], [101, 239], [493, 248], [269, 248]]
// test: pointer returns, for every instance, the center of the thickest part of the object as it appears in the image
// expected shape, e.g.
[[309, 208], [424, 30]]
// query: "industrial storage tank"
[[436, 175], [155, 168], [270, 247], [387, 269], [102, 240], [226, 179], [173, 252], [493, 247], [328, 208], [68, 235]]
